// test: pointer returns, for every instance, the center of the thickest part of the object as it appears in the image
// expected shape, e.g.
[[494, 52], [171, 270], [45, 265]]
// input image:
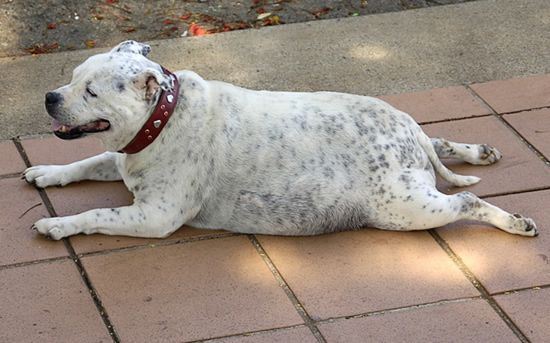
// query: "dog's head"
[[110, 95]]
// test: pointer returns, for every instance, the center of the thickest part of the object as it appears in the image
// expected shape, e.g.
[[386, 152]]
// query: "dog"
[[213, 155]]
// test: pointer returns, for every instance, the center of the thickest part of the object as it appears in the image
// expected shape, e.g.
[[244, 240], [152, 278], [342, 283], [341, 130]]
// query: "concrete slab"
[[379, 54]]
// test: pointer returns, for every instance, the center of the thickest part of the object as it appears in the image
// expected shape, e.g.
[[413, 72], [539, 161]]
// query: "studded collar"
[[159, 117]]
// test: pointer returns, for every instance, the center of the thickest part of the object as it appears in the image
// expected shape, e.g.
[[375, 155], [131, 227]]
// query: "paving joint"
[[522, 289], [309, 322], [161, 244], [248, 333], [531, 146], [452, 119], [10, 176], [479, 286], [30, 263], [400, 309], [530, 190], [72, 254], [525, 110], [500, 117]]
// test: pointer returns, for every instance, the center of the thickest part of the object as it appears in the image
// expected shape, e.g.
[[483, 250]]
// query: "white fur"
[[258, 162]]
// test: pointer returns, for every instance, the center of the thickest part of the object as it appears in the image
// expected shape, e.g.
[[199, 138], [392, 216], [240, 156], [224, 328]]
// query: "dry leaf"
[[42, 48], [197, 30], [263, 16], [90, 43]]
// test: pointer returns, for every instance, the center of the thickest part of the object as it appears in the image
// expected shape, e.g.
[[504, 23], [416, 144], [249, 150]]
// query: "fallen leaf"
[[129, 29], [42, 48], [111, 1], [263, 16], [90, 43], [197, 30], [321, 12], [239, 25], [185, 16], [52, 26], [120, 17], [260, 10], [274, 20], [207, 18], [168, 22]]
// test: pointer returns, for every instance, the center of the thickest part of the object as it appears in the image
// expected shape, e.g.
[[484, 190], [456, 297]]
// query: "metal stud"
[[170, 98], [150, 137], [147, 131], [157, 123], [162, 107], [165, 113]]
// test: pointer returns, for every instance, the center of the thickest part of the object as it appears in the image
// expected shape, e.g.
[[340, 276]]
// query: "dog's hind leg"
[[482, 154], [102, 167], [427, 208], [444, 172]]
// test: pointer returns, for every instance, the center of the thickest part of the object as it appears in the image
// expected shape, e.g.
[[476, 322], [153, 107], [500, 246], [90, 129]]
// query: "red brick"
[[471, 321], [20, 207], [48, 302], [190, 291], [52, 150], [534, 126], [529, 310], [300, 334], [11, 160], [438, 104], [367, 270], [516, 94], [502, 261]]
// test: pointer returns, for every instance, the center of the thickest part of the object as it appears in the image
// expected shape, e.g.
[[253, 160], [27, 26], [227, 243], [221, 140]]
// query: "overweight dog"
[[213, 155]]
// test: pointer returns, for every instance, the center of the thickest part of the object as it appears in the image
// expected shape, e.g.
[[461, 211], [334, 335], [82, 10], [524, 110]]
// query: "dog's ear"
[[132, 47], [151, 80]]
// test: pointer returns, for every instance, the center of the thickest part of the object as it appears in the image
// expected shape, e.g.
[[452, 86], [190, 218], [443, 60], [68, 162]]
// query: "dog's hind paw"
[[488, 154], [524, 226]]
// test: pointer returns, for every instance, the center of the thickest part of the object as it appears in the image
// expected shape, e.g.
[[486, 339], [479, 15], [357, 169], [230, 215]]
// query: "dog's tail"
[[455, 179]]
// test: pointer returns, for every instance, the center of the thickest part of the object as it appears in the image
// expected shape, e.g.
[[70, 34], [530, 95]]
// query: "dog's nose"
[[52, 98]]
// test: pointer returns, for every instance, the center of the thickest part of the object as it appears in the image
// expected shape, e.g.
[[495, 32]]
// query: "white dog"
[[213, 155]]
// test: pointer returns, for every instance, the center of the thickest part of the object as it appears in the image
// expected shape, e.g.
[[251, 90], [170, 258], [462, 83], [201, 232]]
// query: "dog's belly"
[[303, 163]]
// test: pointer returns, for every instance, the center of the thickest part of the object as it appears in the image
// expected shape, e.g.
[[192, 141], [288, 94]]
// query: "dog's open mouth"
[[70, 132]]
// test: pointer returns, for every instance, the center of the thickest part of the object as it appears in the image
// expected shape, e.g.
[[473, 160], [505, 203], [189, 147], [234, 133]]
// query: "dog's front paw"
[[44, 176], [53, 228]]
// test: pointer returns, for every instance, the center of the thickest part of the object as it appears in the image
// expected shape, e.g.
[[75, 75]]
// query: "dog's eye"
[[89, 91]]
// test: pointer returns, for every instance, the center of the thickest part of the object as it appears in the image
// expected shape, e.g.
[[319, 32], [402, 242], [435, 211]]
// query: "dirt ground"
[[34, 27]]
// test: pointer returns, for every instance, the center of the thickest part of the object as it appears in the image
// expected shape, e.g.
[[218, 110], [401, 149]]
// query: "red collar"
[[153, 126]]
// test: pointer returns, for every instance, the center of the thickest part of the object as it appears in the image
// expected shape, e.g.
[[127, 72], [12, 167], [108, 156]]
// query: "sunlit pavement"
[[462, 282]]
